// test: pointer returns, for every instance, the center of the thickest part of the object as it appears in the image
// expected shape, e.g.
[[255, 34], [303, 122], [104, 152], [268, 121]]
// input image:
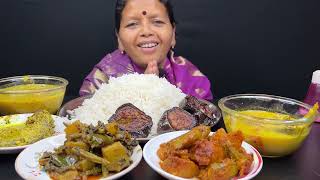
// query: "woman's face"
[[145, 32]]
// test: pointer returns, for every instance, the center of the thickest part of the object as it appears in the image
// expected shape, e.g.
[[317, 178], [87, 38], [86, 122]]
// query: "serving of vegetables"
[[89, 151], [16, 131], [199, 154]]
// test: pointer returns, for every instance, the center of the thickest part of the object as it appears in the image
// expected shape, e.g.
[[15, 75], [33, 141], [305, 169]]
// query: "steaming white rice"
[[149, 93]]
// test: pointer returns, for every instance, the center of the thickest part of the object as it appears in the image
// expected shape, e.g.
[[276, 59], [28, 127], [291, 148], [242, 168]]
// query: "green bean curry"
[[89, 152]]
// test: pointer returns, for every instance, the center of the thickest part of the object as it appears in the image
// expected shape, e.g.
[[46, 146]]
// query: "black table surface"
[[303, 164]]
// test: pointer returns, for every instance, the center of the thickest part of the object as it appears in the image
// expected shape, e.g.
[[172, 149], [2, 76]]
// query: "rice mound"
[[148, 92]]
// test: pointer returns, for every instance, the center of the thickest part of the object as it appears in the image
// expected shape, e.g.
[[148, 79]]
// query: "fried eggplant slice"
[[202, 111], [133, 120], [176, 119]]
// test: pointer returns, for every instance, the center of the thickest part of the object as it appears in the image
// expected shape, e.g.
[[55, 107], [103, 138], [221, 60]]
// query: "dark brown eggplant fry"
[[133, 120], [176, 119]]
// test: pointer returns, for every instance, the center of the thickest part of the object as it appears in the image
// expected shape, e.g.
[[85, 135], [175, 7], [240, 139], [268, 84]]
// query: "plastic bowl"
[[27, 94], [273, 136]]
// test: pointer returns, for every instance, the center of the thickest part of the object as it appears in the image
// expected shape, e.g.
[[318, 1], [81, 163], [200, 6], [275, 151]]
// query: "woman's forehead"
[[135, 8]]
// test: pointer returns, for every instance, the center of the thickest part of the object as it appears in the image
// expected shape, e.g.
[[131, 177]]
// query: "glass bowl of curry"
[[276, 126], [28, 94]]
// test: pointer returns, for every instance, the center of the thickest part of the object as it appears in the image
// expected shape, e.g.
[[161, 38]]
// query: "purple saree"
[[177, 70]]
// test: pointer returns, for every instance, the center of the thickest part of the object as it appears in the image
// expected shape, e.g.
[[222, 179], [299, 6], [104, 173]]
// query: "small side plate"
[[59, 129]]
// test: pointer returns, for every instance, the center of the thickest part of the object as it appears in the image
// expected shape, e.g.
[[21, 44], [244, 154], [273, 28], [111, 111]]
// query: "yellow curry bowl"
[[27, 94], [275, 126]]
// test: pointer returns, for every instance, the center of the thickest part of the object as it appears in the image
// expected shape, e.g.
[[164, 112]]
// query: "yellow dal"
[[270, 140], [30, 102]]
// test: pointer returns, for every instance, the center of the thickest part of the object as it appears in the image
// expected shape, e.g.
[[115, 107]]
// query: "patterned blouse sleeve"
[[191, 80], [93, 81]]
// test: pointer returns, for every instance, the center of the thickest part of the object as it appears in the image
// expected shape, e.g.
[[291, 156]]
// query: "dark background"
[[243, 46]]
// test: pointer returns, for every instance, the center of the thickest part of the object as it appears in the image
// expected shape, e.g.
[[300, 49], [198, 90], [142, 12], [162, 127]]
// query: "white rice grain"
[[148, 92]]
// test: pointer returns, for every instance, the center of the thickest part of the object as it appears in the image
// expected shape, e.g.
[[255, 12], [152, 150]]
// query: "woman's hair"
[[120, 4]]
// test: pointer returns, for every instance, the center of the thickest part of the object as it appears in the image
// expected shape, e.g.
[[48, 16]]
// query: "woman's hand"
[[152, 68]]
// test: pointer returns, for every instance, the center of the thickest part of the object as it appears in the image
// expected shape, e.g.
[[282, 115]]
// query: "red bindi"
[[144, 13]]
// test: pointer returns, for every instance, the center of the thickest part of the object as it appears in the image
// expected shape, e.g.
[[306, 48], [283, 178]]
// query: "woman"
[[145, 31]]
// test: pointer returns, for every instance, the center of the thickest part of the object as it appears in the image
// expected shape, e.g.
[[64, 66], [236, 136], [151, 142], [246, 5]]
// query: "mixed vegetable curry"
[[89, 151]]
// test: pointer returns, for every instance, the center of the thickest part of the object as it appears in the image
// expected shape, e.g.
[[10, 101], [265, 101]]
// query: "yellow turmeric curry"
[[27, 98], [271, 140]]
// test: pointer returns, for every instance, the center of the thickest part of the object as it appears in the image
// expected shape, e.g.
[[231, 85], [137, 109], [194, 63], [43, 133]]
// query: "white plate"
[[146, 139], [150, 156], [27, 165], [59, 129]]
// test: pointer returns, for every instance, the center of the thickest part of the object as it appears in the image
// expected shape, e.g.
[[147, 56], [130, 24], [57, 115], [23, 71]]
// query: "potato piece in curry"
[[207, 157]]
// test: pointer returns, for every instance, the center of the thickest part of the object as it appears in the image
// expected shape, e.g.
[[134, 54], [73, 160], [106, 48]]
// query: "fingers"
[[152, 68]]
